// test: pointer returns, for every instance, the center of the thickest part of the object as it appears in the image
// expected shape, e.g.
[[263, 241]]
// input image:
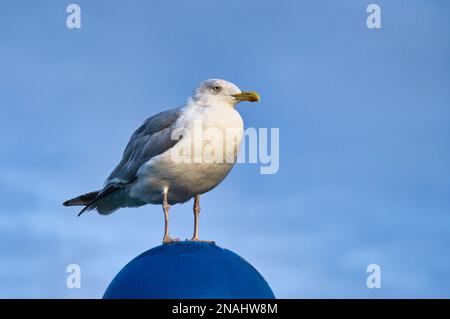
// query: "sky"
[[364, 125]]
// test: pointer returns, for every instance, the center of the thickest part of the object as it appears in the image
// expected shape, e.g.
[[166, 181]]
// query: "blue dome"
[[188, 270]]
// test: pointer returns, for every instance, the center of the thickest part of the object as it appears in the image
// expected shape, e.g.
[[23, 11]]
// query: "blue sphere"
[[188, 270]]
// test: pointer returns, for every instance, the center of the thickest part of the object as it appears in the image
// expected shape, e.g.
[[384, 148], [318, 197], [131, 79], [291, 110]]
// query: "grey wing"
[[152, 138]]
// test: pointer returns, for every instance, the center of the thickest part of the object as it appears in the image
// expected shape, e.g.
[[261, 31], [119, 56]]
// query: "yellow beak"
[[247, 96]]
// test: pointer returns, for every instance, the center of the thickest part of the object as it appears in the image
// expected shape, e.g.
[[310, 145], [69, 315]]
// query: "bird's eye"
[[216, 89]]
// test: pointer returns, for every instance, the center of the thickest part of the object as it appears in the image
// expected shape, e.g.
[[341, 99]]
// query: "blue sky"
[[364, 118]]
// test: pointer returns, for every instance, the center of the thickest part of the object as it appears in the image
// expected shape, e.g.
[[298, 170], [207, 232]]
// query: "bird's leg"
[[196, 218], [166, 207], [196, 213]]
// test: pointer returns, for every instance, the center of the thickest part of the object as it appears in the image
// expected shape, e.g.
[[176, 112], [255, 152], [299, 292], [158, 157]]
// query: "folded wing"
[[152, 138]]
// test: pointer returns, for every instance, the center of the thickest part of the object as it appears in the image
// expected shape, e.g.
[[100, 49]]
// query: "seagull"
[[152, 171]]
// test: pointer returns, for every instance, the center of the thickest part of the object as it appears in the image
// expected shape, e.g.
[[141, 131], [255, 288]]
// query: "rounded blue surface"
[[188, 270]]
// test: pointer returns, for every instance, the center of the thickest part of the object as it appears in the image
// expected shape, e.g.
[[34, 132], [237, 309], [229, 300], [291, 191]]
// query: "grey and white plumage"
[[147, 173]]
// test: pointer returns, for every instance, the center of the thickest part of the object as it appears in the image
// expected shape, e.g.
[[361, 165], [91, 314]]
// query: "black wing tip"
[[69, 203], [83, 210]]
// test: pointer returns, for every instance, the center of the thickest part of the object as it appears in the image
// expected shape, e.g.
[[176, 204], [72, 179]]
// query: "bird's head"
[[217, 91]]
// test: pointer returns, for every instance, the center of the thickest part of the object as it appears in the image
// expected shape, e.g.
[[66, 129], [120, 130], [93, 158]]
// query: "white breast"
[[184, 180]]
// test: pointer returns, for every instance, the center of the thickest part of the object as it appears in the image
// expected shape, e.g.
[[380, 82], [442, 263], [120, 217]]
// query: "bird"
[[158, 165]]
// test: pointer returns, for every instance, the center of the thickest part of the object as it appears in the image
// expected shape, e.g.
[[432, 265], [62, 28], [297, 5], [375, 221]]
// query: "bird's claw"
[[202, 241], [169, 240]]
